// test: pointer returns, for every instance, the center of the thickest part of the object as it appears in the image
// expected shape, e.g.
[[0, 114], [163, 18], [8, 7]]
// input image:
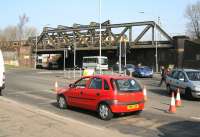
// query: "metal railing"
[[71, 73]]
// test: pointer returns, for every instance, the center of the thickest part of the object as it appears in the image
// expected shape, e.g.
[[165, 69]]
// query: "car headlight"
[[142, 73], [197, 88]]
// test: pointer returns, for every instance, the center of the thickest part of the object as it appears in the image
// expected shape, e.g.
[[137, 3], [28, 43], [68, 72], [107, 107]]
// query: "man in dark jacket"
[[163, 75]]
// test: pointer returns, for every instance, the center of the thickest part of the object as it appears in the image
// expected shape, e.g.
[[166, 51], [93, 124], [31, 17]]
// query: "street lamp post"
[[156, 43], [125, 58], [64, 60], [100, 35], [36, 51], [120, 56], [156, 54], [74, 53]]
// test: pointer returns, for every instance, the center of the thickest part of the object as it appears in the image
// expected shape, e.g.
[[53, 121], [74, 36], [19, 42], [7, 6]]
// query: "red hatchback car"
[[106, 94]]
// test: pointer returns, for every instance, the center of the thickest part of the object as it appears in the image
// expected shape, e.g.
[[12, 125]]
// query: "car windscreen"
[[103, 61], [147, 69], [193, 75], [129, 66], [127, 85]]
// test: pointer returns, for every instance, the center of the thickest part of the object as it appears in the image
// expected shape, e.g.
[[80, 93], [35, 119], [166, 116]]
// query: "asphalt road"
[[35, 88]]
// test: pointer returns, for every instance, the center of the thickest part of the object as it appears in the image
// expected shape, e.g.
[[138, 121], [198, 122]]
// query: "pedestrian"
[[163, 75], [85, 71]]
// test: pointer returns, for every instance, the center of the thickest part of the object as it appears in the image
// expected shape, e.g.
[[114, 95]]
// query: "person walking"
[[163, 76], [85, 72]]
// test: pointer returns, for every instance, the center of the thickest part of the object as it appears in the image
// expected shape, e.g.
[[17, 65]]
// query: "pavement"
[[19, 120]]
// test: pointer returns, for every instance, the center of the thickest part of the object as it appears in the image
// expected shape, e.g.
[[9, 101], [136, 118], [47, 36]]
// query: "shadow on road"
[[74, 109], [95, 115], [159, 91], [180, 129]]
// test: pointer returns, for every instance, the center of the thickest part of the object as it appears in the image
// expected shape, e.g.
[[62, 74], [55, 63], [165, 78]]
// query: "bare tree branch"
[[192, 13]]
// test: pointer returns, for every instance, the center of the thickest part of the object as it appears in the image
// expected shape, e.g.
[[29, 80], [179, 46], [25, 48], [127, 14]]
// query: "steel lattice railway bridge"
[[86, 37], [143, 39]]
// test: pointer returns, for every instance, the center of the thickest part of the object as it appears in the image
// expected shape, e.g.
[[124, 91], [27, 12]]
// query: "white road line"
[[195, 118], [28, 92], [50, 114]]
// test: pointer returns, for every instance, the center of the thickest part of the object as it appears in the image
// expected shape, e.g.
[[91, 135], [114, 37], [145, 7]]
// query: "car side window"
[[181, 76], [106, 86], [81, 83], [96, 83], [175, 74]]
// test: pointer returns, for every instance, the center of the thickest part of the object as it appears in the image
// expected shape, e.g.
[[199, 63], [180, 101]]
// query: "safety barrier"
[[76, 73]]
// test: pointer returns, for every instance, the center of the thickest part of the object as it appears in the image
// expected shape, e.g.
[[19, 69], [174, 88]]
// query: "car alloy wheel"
[[62, 102], [188, 94], [105, 112]]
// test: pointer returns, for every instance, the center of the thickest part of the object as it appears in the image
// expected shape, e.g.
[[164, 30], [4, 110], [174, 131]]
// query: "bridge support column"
[[179, 42]]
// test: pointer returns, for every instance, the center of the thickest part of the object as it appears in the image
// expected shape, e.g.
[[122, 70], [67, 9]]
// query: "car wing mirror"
[[181, 79], [71, 85]]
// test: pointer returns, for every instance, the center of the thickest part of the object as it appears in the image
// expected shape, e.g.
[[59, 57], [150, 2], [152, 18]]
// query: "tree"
[[29, 32], [22, 22], [10, 33], [192, 13]]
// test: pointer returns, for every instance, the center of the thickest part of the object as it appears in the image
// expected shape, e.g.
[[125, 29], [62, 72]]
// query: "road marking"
[[11, 91], [50, 114], [195, 118], [38, 97]]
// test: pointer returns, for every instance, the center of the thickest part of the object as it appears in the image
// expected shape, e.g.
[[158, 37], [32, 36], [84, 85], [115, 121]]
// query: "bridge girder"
[[87, 36]]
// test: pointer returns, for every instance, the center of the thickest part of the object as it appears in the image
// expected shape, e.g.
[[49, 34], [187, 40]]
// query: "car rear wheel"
[[62, 103], [0, 92], [105, 112]]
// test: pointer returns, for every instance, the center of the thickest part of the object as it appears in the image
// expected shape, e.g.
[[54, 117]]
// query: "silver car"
[[187, 80]]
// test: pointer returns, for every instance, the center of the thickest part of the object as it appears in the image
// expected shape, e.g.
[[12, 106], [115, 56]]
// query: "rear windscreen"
[[126, 85]]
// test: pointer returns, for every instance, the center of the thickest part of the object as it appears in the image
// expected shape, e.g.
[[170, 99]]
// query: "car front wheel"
[[188, 94], [61, 101], [169, 91], [105, 112]]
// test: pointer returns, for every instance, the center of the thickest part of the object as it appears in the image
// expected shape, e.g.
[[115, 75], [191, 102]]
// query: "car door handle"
[[81, 92], [98, 94]]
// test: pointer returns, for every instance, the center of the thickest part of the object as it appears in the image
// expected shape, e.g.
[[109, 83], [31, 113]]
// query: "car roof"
[[143, 67], [187, 70], [107, 76]]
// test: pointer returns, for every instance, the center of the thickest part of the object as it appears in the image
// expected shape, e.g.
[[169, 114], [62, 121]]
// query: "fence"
[[70, 73], [11, 57]]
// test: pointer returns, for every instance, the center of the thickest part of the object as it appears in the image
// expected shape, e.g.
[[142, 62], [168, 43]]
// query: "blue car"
[[143, 71]]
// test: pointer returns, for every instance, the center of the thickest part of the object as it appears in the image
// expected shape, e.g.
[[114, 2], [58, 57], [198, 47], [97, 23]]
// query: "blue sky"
[[67, 12]]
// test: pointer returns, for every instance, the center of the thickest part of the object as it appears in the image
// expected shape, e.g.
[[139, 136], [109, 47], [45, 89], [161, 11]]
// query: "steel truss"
[[86, 37]]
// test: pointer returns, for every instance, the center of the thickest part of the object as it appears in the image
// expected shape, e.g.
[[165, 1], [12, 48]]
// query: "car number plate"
[[132, 106]]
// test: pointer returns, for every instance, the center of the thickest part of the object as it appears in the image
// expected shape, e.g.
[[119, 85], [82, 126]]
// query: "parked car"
[[143, 71], [187, 80], [106, 94], [130, 69], [53, 65], [115, 67], [2, 73]]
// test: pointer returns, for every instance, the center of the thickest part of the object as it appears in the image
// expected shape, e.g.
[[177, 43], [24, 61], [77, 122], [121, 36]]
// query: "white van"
[[96, 62], [2, 73]]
